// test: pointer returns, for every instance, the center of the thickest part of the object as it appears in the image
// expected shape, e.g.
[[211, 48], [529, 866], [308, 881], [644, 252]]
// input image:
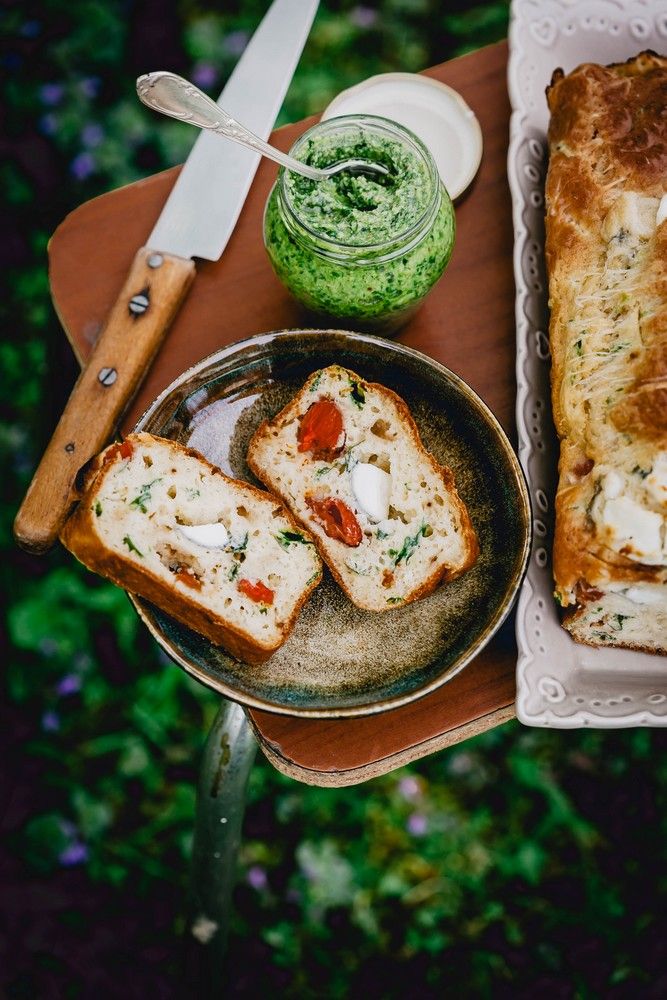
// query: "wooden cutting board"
[[467, 323]]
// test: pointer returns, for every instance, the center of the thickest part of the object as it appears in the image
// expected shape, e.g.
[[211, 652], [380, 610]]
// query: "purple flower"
[[52, 94], [82, 166], [12, 61], [310, 871], [50, 721], [30, 29], [69, 684], [75, 853], [409, 788], [256, 877], [89, 86], [92, 135], [204, 74], [235, 42], [417, 825], [48, 124], [461, 763], [363, 17]]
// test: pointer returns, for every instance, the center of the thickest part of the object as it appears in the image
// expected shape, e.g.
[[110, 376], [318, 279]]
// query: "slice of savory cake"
[[346, 457], [219, 555], [606, 251]]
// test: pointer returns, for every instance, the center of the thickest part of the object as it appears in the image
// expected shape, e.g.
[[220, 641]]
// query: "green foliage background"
[[518, 862]]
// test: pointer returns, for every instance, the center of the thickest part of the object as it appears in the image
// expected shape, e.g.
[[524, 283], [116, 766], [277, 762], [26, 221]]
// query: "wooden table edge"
[[358, 775]]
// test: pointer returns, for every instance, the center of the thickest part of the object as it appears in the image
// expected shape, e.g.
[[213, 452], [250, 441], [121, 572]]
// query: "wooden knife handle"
[[152, 294]]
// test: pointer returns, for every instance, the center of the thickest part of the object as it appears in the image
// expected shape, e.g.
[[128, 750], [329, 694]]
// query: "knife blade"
[[196, 221], [190, 226]]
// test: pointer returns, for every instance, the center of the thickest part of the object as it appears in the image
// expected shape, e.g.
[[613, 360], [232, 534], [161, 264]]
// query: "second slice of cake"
[[219, 555], [346, 457]]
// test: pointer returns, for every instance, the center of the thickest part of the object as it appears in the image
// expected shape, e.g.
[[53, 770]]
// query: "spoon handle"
[[178, 98]]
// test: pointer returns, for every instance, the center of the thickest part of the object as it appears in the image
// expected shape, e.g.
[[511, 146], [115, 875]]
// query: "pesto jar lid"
[[435, 112]]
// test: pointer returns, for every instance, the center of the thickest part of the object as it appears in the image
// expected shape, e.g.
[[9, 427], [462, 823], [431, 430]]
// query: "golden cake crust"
[[81, 535], [607, 269]]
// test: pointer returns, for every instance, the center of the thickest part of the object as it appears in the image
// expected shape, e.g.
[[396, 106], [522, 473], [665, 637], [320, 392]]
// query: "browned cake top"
[[619, 113], [607, 136], [606, 251]]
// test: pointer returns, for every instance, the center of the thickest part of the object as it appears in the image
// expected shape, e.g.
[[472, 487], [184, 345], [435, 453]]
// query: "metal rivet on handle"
[[69, 447], [139, 303], [107, 376], [155, 260]]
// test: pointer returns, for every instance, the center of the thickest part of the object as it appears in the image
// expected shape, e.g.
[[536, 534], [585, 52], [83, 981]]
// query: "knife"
[[197, 220]]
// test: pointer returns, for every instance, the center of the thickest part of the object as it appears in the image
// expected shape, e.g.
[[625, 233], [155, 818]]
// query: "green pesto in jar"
[[358, 209], [358, 248]]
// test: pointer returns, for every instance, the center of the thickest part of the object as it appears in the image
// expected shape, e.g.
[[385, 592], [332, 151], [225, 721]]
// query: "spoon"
[[178, 98]]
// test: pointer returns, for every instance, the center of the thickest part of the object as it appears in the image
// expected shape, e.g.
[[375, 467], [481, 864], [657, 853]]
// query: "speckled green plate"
[[339, 660]]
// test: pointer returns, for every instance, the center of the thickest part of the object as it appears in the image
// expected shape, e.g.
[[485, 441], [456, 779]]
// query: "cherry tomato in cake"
[[189, 579], [321, 430], [257, 591], [337, 520], [122, 448]]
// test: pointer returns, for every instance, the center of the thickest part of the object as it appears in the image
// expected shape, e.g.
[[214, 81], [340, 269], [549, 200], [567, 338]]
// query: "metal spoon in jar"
[[178, 98]]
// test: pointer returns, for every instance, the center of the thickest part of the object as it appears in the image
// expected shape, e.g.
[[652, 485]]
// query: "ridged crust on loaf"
[[607, 264], [439, 529], [81, 535]]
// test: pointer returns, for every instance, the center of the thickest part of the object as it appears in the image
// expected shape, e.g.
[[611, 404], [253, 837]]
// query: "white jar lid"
[[432, 110]]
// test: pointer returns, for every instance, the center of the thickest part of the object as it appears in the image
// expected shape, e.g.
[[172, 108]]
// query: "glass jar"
[[360, 250]]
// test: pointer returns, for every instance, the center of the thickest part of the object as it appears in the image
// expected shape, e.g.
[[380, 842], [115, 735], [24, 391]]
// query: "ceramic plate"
[[339, 660], [560, 682]]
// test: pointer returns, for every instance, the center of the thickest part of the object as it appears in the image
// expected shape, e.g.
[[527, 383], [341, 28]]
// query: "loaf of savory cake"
[[606, 251], [221, 556], [346, 457]]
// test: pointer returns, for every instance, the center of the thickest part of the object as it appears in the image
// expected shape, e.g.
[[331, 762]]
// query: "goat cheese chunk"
[[630, 529], [661, 214], [208, 536], [371, 487]]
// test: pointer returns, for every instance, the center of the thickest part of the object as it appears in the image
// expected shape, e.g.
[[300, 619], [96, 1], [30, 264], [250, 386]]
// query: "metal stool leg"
[[223, 778]]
